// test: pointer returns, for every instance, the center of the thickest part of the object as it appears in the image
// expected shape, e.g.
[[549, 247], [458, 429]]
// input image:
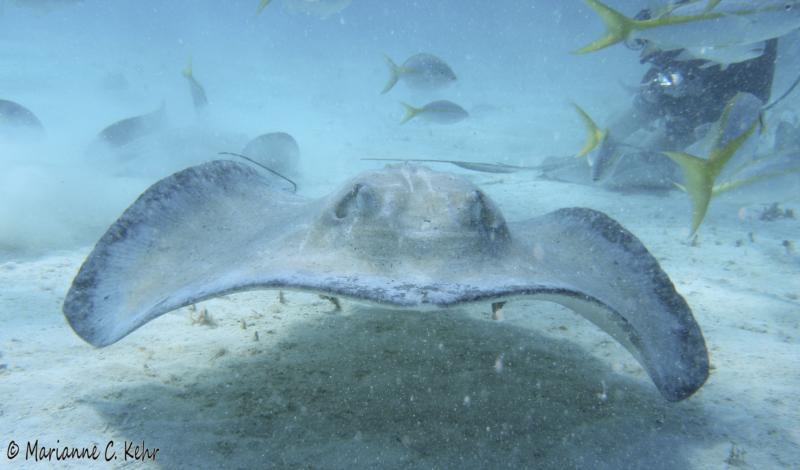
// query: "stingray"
[[404, 237], [127, 130], [276, 150], [14, 115]]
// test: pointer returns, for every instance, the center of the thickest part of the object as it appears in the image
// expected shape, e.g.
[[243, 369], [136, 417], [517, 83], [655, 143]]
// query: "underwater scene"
[[336, 234]]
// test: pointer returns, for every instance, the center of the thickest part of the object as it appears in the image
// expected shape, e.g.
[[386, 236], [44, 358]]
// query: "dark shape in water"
[[130, 129], [14, 115], [198, 92], [276, 150]]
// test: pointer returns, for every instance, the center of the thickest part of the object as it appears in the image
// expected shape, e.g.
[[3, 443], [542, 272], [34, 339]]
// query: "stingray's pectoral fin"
[[610, 278], [187, 238]]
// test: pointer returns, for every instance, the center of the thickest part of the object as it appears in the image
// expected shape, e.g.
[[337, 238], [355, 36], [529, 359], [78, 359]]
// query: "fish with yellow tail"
[[601, 150], [736, 125], [440, 112], [198, 92], [722, 23], [421, 72]]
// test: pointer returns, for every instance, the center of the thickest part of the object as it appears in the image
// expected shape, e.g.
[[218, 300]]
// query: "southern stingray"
[[405, 237]]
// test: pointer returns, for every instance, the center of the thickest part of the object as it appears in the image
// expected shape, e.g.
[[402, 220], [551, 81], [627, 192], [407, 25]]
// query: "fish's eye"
[[788, 7]]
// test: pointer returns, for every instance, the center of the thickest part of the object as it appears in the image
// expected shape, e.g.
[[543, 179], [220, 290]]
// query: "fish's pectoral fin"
[[618, 27], [699, 184]]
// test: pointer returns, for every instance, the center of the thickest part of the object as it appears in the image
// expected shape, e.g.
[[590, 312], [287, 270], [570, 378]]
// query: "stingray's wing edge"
[[594, 256], [186, 238]]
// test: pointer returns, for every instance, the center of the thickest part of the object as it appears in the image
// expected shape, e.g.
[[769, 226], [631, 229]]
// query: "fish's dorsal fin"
[[594, 135]]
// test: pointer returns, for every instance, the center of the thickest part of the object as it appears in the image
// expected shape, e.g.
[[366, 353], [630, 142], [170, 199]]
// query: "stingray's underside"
[[405, 236]]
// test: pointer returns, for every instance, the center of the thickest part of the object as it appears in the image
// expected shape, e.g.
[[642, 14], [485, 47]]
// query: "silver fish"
[[701, 24], [724, 55], [198, 92], [440, 112], [421, 72]]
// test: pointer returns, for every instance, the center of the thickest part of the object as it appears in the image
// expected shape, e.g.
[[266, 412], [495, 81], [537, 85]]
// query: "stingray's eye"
[[485, 217], [361, 200], [482, 212]]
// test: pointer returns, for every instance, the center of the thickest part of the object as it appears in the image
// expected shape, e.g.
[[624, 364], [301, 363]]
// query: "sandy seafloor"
[[299, 385]]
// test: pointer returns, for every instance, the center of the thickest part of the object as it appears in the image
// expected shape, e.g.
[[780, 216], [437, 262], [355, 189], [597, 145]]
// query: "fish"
[[601, 150], [133, 128], [700, 24], [738, 122], [420, 71], [261, 5], [198, 92], [14, 116], [440, 112], [723, 55], [319, 8]]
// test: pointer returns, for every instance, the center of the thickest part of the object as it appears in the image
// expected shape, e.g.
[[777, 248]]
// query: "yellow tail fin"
[[410, 112], [618, 27], [262, 5], [187, 72], [699, 184], [594, 135], [395, 71], [700, 174]]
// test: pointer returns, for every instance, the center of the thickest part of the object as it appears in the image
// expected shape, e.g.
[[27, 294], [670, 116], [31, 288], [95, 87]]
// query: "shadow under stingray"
[[394, 389]]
